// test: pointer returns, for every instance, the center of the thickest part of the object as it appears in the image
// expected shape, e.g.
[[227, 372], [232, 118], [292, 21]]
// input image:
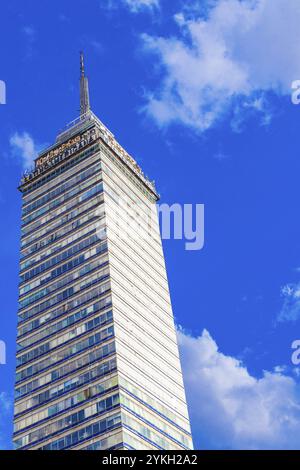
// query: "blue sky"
[[200, 93]]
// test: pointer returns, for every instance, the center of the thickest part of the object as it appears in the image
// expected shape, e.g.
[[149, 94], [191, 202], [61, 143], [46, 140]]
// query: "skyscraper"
[[97, 355]]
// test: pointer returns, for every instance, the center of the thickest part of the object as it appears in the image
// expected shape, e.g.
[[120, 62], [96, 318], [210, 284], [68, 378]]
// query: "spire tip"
[[84, 89], [81, 63]]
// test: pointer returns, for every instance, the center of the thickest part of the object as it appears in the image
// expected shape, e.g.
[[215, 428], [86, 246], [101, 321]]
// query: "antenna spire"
[[84, 89]]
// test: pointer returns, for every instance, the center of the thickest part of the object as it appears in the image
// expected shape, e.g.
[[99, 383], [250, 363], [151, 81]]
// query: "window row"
[[36, 240], [65, 353], [67, 403], [132, 442], [147, 433], [50, 195], [29, 193], [69, 421], [63, 324], [120, 179], [40, 294], [64, 309], [155, 404], [72, 305], [62, 210], [64, 268], [66, 369], [85, 433], [155, 421], [66, 294], [27, 288], [73, 250], [67, 240], [106, 444], [63, 199], [62, 339], [65, 387]]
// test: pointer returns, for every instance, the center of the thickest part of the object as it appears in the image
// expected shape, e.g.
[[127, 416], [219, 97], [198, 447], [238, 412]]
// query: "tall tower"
[[97, 355]]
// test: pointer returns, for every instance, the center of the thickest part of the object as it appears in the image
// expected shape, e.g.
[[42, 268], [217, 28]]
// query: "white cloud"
[[290, 310], [30, 32], [98, 46], [24, 147], [134, 6], [5, 403], [5, 409], [30, 35], [236, 52], [231, 409]]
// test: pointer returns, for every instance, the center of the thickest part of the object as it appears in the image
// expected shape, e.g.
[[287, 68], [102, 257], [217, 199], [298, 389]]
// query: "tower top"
[[84, 89]]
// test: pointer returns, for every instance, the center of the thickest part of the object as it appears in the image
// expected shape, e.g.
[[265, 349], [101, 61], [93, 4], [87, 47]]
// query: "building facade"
[[97, 357]]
